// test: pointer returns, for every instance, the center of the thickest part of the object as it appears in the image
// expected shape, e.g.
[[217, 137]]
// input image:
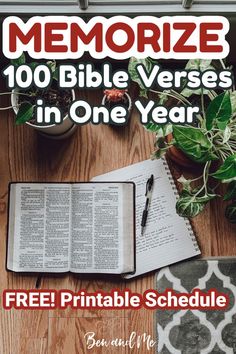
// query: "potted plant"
[[209, 145], [23, 103], [115, 97]]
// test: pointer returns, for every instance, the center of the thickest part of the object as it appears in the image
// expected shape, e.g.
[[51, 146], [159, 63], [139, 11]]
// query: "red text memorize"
[[119, 37]]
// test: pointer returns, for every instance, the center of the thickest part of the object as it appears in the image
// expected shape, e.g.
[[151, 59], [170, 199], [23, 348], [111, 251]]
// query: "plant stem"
[[168, 94], [223, 155], [196, 179], [212, 95], [205, 174], [181, 97], [205, 179], [15, 93], [202, 104], [6, 108], [230, 148], [223, 64], [217, 185]]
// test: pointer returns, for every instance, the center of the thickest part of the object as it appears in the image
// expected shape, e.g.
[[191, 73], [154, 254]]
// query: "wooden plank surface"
[[92, 150]]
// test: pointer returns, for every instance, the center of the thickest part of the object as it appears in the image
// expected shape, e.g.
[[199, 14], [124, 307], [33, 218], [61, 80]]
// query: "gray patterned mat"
[[198, 332]]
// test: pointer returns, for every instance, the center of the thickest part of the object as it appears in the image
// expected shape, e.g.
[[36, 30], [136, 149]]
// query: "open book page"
[[39, 218], [167, 238], [83, 227], [99, 227]]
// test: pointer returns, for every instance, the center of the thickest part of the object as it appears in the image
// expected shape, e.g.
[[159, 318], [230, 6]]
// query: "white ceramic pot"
[[127, 96], [47, 130]]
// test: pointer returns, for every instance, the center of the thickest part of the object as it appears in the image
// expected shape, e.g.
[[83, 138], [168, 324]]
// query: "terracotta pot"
[[178, 157], [129, 100]]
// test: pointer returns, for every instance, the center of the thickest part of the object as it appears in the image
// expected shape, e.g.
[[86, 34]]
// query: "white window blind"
[[110, 7], [222, 2], [133, 2], [185, 3], [32, 2]]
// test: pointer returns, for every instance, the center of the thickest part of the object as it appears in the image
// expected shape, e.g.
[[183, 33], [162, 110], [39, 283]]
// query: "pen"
[[38, 281], [149, 187]]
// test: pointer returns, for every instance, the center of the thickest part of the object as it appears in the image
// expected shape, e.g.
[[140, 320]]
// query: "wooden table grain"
[[92, 150]]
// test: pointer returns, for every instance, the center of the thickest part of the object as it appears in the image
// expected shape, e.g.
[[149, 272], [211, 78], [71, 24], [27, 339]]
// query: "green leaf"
[[220, 111], [196, 64], [230, 213], [189, 206], [133, 62], [33, 64], [233, 101], [25, 113], [226, 135], [206, 198], [194, 143], [231, 191], [199, 64], [227, 172], [160, 133], [55, 74], [160, 130], [152, 127], [167, 129], [187, 92], [52, 65], [163, 97], [18, 61], [186, 183]]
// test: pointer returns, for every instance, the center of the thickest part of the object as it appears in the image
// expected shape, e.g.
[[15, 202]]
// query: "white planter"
[[47, 130], [104, 100]]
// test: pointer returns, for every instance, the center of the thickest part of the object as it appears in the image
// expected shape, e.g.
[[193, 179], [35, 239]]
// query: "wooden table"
[[26, 156]]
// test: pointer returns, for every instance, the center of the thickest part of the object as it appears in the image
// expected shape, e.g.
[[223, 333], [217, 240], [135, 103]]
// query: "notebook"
[[71, 227], [167, 238]]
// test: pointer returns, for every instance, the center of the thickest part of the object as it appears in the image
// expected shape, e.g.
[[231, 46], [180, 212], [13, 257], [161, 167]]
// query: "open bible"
[[72, 227]]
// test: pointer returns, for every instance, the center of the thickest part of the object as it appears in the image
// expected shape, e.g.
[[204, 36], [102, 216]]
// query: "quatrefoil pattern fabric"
[[198, 332]]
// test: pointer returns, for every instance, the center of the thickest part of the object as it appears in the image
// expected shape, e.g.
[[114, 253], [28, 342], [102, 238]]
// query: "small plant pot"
[[128, 103], [53, 130]]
